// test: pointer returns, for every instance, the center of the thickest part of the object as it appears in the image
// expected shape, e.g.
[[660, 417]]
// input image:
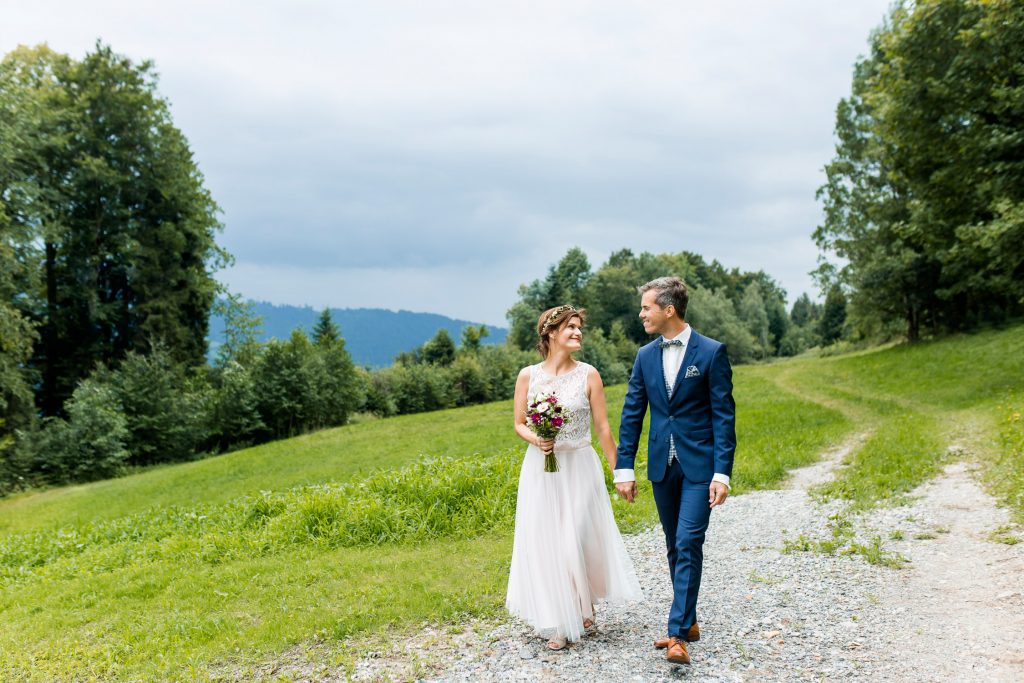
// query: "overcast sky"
[[432, 156]]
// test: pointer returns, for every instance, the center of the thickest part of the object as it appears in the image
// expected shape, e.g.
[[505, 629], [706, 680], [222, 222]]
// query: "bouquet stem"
[[550, 464]]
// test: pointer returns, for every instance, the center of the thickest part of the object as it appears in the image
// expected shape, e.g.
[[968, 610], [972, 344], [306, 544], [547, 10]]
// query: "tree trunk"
[[51, 402], [913, 324]]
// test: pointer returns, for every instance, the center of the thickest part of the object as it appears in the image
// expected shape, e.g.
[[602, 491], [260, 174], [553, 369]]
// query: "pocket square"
[[691, 371]]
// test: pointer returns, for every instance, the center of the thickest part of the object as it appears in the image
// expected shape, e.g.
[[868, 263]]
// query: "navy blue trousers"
[[685, 512]]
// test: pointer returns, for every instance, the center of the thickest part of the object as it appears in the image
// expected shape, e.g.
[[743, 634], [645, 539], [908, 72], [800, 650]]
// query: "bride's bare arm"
[[519, 410], [599, 411]]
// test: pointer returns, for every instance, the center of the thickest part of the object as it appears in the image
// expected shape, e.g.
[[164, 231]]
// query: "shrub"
[[164, 411], [234, 417], [91, 444], [469, 384]]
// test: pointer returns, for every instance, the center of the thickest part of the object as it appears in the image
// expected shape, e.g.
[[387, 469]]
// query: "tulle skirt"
[[567, 554]]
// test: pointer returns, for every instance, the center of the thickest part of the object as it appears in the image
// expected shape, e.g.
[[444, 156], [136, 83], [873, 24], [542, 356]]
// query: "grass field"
[[210, 567]]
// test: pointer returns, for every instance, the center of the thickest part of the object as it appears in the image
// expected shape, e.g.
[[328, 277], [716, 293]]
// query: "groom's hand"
[[717, 493], [627, 489]]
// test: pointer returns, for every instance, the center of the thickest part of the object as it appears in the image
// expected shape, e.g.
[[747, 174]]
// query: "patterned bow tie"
[[670, 342]]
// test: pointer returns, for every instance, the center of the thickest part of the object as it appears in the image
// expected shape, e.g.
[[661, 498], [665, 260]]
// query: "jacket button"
[[671, 417]]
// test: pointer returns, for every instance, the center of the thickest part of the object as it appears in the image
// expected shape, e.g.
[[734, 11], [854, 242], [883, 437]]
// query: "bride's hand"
[[546, 445]]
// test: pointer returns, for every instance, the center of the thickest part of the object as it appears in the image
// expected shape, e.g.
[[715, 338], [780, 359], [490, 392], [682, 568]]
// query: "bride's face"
[[569, 336]]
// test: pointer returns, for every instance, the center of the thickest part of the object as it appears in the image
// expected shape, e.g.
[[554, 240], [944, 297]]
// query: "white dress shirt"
[[671, 361]]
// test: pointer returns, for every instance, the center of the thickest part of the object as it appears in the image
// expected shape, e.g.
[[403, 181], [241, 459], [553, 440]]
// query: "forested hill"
[[373, 336]]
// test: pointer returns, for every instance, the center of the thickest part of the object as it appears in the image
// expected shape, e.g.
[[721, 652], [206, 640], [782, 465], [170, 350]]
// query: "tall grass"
[[1006, 469], [331, 455], [427, 500]]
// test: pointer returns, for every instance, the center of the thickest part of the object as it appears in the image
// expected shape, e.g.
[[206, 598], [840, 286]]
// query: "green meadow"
[[330, 539]]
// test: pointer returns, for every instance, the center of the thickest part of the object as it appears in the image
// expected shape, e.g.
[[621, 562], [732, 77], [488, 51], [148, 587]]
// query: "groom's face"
[[652, 315]]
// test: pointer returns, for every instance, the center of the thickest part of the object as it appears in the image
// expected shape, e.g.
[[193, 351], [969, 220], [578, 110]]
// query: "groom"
[[686, 381]]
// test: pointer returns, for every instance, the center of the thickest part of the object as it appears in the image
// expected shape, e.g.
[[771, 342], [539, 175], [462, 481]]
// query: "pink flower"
[[557, 421], [536, 418]]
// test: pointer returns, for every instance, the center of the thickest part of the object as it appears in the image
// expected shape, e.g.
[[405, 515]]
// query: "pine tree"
[[833, 315], [325, 331]]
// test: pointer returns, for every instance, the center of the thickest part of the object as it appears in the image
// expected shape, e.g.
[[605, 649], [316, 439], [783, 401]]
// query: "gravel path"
[[955, 613]]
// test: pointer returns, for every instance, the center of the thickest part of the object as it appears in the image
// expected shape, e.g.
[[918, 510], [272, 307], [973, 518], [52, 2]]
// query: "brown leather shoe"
[[677, 653], [692, 636]]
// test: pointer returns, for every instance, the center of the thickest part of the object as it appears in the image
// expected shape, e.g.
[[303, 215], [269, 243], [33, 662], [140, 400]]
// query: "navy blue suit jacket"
[[701, 414]]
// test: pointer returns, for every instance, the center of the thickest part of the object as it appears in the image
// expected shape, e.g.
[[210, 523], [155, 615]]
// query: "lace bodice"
[[571, 390]]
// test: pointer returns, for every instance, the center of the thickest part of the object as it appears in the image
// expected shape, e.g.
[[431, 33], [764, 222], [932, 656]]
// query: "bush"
[[797, 340], [337, 389], [603, 355], [234, 417], [284, 386], [420, 388], [380, 399], [163, 408], [90, 445], [469, 384], [501, 365]]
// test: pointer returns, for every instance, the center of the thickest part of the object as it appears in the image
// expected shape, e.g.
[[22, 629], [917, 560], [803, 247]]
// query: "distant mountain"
[[374, 336]]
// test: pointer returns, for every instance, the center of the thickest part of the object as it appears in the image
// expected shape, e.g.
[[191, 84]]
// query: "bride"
[[567, 552]]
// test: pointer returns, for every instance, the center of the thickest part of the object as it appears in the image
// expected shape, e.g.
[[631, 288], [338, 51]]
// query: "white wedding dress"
[[567, 553]]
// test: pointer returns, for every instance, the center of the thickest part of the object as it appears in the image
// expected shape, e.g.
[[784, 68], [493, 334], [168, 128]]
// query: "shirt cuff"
[[624, 476], [724, 478]]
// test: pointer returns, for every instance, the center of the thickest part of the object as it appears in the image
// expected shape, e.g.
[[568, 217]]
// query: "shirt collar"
[[683, 336]]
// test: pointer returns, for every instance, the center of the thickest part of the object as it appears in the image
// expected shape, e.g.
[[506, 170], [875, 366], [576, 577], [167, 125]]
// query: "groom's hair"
[[668, 291]]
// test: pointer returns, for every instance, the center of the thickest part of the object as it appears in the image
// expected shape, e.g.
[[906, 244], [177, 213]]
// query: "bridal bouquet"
[[545, 416]]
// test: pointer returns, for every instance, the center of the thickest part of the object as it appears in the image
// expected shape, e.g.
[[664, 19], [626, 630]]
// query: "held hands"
[[546, 446], [627, 490], [717, 493]]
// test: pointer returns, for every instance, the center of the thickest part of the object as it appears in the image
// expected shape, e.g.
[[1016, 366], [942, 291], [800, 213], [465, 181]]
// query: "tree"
[[923, 198], [468, 380], [804, 311], [242, 328], [284, 385], [612, 291], [16, 338], [337, 389], [566, 283], [33, 124], [325, 331], [714, 314], [163, 413], [833, 316], [803, 329], [115, 212], [752, 312], [91, 444], [440, 350], [234, 416], [472, 336]]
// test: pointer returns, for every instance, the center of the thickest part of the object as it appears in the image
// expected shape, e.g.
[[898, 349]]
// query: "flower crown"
[[554, 314]]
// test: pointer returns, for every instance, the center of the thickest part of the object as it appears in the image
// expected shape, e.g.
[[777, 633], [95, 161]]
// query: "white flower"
[[543, 407]]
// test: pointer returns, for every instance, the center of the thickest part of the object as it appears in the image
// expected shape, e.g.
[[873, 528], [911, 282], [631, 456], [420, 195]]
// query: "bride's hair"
[[552, 320]]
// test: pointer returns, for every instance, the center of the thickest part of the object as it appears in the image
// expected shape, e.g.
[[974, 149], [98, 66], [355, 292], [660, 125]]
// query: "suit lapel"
[[691, 352], [657, 355]]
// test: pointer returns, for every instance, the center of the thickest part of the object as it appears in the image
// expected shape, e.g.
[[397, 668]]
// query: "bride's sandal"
[[557, 643], [588, 624]]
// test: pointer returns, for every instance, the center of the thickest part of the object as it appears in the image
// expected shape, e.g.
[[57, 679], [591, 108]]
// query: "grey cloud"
[[451, 144]]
